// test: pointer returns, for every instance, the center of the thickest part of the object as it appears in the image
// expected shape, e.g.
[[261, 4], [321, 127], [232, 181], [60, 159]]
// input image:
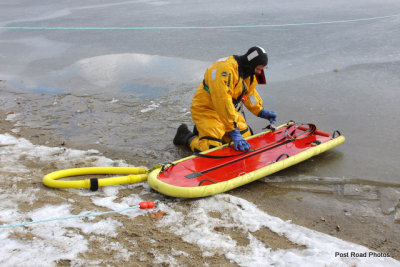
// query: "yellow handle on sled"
[[134, 175]]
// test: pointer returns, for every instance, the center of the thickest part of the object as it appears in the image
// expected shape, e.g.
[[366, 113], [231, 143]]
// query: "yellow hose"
[[134, 175]]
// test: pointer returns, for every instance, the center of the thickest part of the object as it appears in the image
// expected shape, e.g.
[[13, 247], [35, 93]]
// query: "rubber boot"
[[183, 136]]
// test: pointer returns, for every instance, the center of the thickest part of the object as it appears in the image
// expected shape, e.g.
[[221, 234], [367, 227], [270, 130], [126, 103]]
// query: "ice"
[[151, 107], [389, 199], [360, 191], [11, 117]]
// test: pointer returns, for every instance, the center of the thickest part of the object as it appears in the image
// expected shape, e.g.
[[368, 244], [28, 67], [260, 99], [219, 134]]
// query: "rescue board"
[[223, 168]]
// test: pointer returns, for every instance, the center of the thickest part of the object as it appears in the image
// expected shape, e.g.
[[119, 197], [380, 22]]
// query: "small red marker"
[[146, 205]]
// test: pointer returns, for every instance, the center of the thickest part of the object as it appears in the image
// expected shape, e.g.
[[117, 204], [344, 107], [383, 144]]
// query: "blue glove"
[[268, 114], [238, 142]]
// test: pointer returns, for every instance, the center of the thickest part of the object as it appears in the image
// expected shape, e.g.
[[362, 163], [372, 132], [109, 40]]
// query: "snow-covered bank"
[[206, 223]]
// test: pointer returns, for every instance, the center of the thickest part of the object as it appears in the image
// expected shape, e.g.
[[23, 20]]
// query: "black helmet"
[[254, 57]]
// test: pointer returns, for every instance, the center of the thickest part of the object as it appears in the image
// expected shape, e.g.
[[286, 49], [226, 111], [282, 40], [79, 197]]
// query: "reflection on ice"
[[118, 73], [129, 73]]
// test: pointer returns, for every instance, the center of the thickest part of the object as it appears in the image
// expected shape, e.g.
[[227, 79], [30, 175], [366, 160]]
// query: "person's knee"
[[203, 144]]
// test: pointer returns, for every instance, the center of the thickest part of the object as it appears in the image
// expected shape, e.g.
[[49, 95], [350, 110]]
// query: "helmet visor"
[[261, 77]]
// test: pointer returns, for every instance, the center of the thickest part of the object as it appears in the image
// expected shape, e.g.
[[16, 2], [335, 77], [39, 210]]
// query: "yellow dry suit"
[[213, 110]]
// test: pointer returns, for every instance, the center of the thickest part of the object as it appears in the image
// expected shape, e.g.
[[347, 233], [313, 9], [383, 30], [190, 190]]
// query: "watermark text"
[[357, 254]]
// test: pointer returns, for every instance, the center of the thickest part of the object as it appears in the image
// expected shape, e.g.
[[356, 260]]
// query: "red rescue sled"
[[223, 168]]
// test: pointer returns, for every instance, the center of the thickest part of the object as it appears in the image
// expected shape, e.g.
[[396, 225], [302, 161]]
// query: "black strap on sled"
[[289, 136]]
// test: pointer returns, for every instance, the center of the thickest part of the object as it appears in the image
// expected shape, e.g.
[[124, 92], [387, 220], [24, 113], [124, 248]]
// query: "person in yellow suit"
[[227, 83]]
